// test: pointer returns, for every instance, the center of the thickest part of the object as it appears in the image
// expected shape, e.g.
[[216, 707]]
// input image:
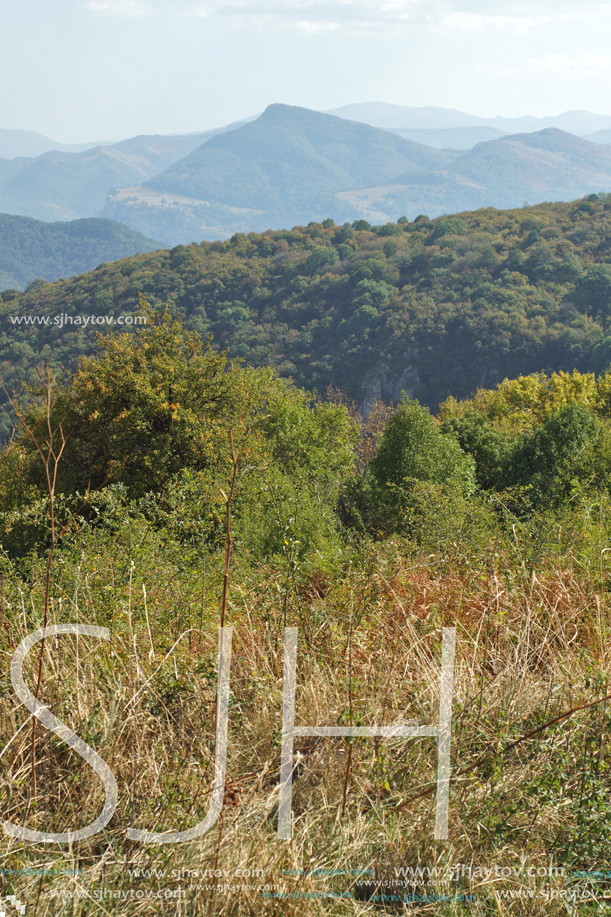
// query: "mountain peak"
[[281, 112]]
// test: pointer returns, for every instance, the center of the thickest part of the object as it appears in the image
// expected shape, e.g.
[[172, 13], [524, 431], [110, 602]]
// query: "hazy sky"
[[81, 70]]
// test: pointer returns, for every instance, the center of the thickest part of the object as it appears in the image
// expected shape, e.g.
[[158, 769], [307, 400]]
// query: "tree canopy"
[[435, 307]]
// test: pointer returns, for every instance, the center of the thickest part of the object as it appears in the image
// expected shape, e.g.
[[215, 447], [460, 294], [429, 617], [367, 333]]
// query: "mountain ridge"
[[33, 250], [387, 116], [30, 144], [293, 165], [60, 185], [297, 138]]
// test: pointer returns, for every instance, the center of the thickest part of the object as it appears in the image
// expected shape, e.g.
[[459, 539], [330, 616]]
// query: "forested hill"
[[314, 157], [433, 307], [292, 165], [31, 249]]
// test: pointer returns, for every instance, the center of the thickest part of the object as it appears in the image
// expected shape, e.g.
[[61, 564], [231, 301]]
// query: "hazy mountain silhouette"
[[293, 165]]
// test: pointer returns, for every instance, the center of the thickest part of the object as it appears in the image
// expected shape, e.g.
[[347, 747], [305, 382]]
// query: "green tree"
[[155, 411], [490, 448], [151, 404], [454, 227], [571, 448], [414, 449]]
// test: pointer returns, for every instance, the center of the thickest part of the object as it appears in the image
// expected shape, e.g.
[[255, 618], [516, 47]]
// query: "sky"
[[85, 70]]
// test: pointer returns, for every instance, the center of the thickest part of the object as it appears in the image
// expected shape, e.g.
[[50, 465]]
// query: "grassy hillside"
[[436, 307], [31, 249], [368, 537]]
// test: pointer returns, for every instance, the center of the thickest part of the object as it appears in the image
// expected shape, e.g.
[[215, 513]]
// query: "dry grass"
[[529, 649]]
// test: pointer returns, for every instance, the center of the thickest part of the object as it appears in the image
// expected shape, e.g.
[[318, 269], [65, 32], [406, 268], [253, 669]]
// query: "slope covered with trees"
[[435, 307], [33, 250]]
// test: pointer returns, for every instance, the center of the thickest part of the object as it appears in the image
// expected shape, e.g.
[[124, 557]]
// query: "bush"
[[413, 449], [570, 448]]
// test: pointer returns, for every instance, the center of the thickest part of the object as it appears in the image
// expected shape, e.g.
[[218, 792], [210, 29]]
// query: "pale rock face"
[[382, 382]]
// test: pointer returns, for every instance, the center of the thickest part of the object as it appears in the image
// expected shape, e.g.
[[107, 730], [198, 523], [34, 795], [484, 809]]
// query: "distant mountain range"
[[59, 185], [291, 165], [449, 138], [389, 117], [400, 118], [29, 143], [448, 128], [32, 250]]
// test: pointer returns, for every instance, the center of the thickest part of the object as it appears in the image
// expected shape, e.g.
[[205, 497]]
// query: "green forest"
[[434, 307], [32, 250]]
